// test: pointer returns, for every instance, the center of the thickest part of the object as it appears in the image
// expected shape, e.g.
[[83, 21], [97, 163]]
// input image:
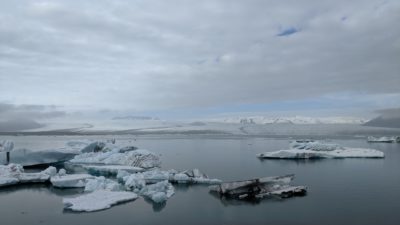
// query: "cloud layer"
[[158, 55]]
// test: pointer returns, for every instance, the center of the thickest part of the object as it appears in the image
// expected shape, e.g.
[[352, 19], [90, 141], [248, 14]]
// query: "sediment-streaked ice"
[[98, 200], [259, 188]]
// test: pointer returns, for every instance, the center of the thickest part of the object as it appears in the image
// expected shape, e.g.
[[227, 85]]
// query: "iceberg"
[[260, 188], [14, 174], [394, 139], [153, 176], [110, 170], [98, 200], [135, 158], [318, 150], [26, 157], [159, 192], [101, 183], [70, 180]]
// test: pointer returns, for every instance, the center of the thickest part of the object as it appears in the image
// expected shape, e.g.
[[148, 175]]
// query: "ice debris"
[[259, 188], [98, 200], [317, 150]]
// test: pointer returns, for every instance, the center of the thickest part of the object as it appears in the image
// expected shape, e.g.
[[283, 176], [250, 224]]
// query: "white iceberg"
[[98, 200], [110, 170], [158, 192], [318, 150], [392, 139], [135, 158], [70, 180]]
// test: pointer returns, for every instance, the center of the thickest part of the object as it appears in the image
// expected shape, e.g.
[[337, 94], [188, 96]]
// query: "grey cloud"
[[145, 55]]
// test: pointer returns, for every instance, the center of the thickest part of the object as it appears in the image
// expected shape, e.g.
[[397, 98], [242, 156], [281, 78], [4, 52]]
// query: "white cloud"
[[157, 55]]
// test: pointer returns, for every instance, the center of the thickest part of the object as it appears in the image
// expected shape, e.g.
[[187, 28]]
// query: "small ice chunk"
[[62, 172], [70, 180], [98, 200], [51, 171], [158, 192]]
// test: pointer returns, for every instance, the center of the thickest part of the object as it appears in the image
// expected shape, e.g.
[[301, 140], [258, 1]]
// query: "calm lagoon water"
[[341, 191]]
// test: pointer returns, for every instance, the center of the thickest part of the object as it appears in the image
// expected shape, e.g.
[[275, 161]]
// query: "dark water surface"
[[341, 191]]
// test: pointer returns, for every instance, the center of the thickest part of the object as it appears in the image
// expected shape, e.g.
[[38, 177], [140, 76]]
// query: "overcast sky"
[[189, 58]]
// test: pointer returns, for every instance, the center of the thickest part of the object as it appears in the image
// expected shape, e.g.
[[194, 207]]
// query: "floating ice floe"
[[14, 174], [110, 170], [63, 180], [98, 200], [392, 139], [129, 156], [317, 150], [259, 188]]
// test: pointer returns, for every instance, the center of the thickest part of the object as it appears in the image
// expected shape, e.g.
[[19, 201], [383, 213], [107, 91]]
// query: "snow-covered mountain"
[[290, 120]]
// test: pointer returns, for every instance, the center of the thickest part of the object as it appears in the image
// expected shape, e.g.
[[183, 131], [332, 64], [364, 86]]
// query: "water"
[[341, 191]]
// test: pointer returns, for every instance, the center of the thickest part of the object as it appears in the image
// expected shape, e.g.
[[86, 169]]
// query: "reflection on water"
[[341, 191]]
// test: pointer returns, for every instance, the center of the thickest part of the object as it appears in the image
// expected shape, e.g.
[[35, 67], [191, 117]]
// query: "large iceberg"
[[120, 156], [259, 188], [98, 200], [317, 150], [392, 139]]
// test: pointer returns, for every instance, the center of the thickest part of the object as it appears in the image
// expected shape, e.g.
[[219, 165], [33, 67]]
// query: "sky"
[[182, 58]]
